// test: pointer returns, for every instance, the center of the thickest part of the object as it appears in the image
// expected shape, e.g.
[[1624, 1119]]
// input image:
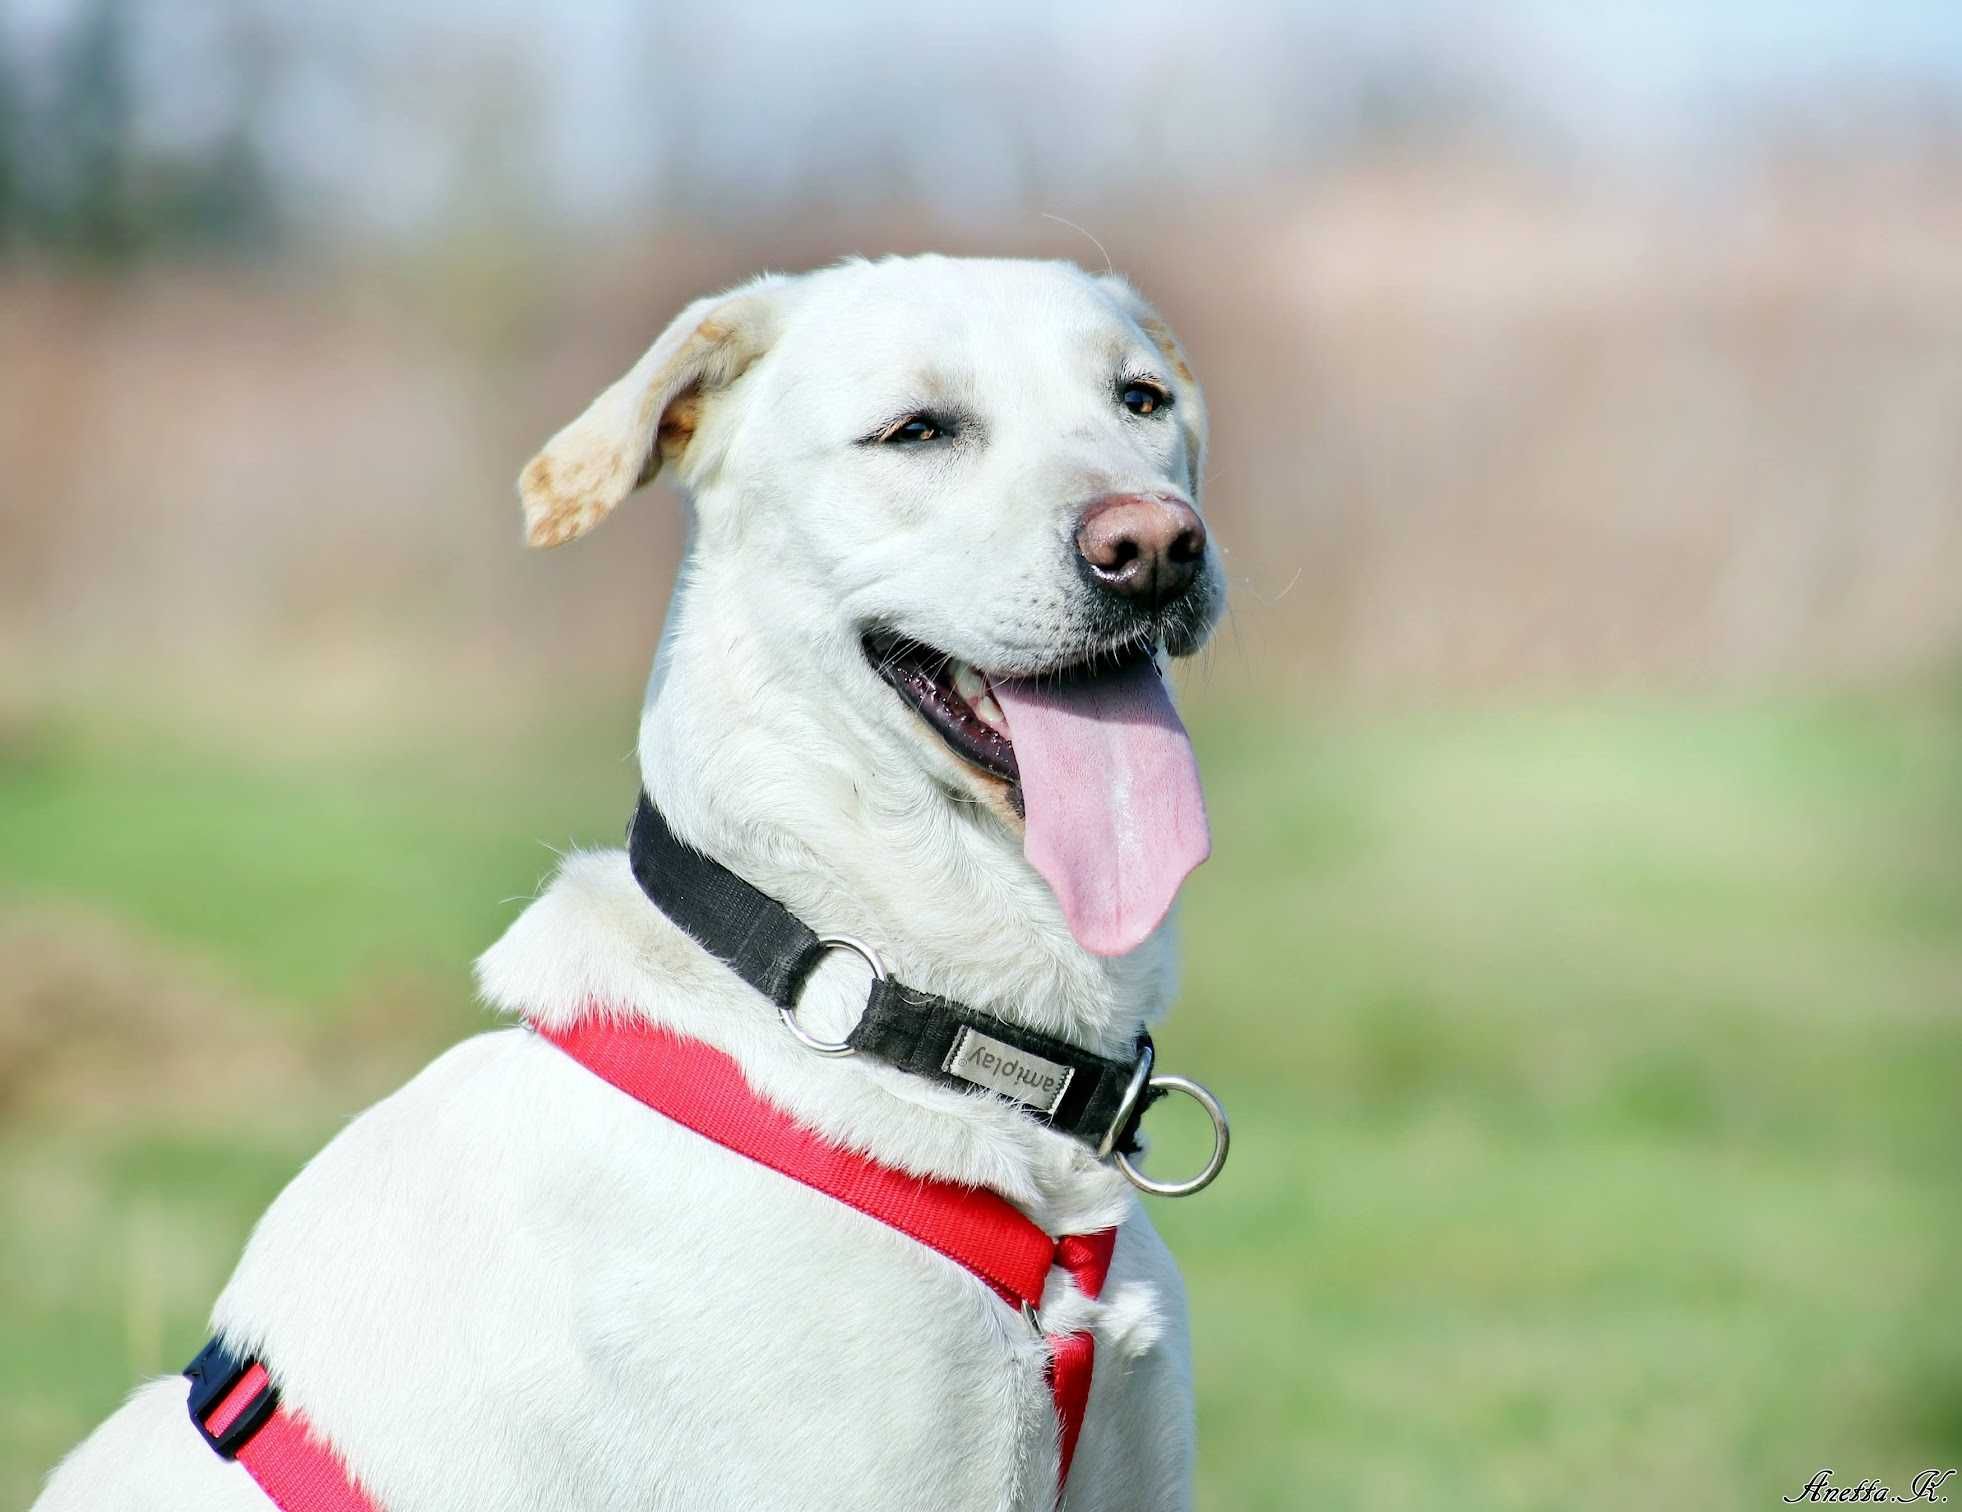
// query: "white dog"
[[944, 533]]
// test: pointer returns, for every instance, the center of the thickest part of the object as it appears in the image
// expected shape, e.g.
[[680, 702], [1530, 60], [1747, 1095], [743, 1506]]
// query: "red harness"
[[701, 1088]]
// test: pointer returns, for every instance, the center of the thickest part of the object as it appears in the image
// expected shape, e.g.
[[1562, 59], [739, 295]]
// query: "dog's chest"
[[613, 1304], [774, 1318]]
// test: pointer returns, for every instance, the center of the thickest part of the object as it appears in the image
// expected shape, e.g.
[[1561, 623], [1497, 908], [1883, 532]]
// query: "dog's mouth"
[[956, 700], [1092, 755]]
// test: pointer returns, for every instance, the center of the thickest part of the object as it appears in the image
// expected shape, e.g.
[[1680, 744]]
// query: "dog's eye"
[[1145, 398], [913, 430]]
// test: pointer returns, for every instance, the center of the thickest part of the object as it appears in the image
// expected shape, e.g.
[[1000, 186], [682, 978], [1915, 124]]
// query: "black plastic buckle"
[[213, 1374]]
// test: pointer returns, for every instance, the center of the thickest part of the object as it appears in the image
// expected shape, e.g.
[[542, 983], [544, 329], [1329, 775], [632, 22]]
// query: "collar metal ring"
[[1129, 1101], [789, 1015], [1222, 1138]]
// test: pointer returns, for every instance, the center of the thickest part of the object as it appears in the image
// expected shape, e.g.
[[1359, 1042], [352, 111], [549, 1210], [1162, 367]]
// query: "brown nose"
[[1144, 547]]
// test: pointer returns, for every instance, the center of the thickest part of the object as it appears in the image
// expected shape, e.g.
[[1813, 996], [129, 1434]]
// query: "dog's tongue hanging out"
[[1116, 820]]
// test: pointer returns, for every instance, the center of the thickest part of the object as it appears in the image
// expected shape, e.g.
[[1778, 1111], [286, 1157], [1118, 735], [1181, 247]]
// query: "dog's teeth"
[[990, 712], [973, 687]]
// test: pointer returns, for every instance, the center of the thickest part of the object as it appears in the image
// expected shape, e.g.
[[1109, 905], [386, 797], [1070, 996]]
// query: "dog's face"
[[957, 487], [936, 430]]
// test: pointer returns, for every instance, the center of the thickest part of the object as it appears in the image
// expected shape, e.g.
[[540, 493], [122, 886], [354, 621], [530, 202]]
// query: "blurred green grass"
[[1593, 1072]]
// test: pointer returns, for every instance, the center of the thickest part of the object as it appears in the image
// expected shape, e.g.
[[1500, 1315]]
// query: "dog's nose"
[[1143, 547]]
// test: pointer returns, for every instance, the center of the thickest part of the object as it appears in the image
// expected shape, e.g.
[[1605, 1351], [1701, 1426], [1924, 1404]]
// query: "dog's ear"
[[1192, 409], [648, 417]]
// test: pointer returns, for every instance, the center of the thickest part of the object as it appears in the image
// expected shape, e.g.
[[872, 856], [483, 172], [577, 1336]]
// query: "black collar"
[[1091, 1099]]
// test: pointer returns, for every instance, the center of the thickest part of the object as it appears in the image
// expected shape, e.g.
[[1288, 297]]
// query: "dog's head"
[[966, 494]]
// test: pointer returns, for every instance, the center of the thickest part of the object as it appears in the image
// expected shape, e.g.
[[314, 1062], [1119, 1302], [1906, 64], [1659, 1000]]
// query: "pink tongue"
[[1116, 819]]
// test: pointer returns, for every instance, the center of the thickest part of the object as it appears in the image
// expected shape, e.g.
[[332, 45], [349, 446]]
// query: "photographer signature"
[[1925, 1487]]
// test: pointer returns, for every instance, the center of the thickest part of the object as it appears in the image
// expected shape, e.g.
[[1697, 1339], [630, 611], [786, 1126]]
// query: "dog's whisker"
[[1109, 266]]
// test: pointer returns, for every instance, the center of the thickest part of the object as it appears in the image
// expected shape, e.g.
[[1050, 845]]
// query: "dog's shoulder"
[[589, 940]]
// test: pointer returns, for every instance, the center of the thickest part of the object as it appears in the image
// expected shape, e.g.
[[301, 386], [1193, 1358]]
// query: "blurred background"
[[1582, 953]]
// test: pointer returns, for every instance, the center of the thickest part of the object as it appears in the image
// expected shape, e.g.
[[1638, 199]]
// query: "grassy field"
[[1594, 1072]]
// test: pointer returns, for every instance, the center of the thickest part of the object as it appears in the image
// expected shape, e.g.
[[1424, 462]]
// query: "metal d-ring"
[[1222, 1138], [1139, 1077], [789, 1014]]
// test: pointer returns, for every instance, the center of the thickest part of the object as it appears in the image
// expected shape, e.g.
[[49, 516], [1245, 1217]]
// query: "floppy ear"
[[646, 418]]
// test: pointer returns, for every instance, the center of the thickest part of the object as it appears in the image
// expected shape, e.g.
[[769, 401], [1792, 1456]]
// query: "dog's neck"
[[818, 807]]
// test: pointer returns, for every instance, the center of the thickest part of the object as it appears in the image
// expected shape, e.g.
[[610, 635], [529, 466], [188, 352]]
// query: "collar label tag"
[[1002, 1068]]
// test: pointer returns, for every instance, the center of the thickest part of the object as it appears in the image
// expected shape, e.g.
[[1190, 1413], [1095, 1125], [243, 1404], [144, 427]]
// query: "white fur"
[[509, 1286]]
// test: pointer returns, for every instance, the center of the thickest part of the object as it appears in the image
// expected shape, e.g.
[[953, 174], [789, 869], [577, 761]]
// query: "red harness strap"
[[1087, 1258], [296, 1470], [701, 1088]]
